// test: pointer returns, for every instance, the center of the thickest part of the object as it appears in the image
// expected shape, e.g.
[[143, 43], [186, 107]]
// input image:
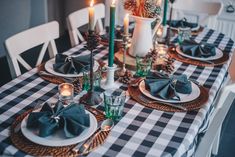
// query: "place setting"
[[168, 92], [201, 54], [183, 25], [65, 127]]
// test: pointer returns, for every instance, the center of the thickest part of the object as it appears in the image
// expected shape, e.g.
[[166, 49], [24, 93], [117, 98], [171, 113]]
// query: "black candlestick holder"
[[92, 98], [168, 36]]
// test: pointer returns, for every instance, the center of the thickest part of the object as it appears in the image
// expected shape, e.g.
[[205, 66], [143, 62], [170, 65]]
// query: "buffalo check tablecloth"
[[141, 131]]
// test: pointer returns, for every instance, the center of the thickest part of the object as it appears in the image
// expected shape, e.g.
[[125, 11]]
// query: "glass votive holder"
[[86, 80], [66, 93], [143, 66], [184, 34], [114, 103], [161, 50]]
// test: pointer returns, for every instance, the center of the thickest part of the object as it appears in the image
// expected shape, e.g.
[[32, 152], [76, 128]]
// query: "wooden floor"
[[227, 145]]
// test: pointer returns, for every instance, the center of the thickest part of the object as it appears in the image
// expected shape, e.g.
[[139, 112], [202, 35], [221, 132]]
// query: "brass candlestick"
[[123, 73]]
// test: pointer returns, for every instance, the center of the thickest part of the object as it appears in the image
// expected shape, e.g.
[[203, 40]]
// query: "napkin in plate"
[[72, 119], [167, 87], [192, 48], [182, 23], [71, 65]]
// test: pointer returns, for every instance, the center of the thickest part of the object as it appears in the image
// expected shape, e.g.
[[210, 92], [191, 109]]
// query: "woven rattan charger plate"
[[173, 54], [34, 149], [196, 104]]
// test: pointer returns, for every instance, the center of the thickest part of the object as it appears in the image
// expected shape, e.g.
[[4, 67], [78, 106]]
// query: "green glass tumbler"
[[143, 66], [184, 34], [86, 79], [114, 103]]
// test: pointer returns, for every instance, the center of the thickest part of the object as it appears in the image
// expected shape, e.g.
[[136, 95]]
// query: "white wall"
[[19, 15]]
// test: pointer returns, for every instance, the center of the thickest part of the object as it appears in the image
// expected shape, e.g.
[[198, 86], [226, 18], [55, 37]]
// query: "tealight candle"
[[66, 91], [162, 50], [91, 16]]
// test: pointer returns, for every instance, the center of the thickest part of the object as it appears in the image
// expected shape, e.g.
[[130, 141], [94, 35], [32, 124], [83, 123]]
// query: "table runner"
[[142, 131]]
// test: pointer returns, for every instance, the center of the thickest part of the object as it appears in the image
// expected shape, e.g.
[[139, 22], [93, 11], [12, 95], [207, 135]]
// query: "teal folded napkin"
[[183, 23], [71, 65], [72, 119], [192, 48], [167, 87]]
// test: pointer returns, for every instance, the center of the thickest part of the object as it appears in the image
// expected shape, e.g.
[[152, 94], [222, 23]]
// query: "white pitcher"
[[142, 39]]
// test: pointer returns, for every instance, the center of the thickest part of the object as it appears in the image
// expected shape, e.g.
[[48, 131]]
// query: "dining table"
[[142, 131]]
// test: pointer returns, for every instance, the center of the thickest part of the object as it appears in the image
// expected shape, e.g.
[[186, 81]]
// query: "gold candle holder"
[[125, 45]]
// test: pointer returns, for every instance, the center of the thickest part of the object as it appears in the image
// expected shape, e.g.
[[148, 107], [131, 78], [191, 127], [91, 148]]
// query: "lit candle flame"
[[127, 15], [113, 2], [92, 3]]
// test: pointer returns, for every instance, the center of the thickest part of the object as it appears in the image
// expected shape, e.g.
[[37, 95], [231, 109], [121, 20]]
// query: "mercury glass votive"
[[66, 93]]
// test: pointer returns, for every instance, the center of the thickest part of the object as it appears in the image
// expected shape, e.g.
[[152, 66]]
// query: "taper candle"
[[165, 13], [126, 24], [91, 16], [111, 34]]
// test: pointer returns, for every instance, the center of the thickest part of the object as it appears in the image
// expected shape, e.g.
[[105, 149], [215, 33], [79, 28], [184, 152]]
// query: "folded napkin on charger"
[[167, 87], [192, 48], [72, 119], [182, 23], [71, 65]]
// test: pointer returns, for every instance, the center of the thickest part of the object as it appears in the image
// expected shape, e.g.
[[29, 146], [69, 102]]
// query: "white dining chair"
[[199, 11], [209, 143], [80, 18], [23, 41]]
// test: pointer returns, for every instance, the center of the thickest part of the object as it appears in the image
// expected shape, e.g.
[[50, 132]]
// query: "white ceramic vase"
[[142, 39]]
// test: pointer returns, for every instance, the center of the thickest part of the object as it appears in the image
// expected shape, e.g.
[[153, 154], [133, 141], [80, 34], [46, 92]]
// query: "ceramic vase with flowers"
[[144, 12]]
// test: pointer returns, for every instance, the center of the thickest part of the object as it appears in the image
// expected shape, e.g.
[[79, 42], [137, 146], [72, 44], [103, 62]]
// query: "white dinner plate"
[[218, 54], [49, 68], [183, 97], [192, 29], [58, 139]]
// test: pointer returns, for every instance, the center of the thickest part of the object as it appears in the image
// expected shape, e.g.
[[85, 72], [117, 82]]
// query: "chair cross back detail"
[[203, 10], [80, 18], [23, 41]]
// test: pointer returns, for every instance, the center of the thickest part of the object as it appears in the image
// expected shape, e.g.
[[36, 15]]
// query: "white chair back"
[[21, 42], [196, 10], [80, 18]]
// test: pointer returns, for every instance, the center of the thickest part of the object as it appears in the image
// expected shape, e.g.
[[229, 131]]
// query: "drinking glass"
[[184, 34], [114, 103], [143, 66], [86, 80]]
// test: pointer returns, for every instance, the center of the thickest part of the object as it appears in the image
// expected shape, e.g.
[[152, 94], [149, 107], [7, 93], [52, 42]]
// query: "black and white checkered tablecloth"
[[142, 131]]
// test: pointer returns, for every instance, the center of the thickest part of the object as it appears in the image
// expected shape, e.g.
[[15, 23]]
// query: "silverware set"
[[83, 147]]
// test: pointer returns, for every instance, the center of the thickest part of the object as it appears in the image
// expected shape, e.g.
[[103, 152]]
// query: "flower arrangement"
[[143, 8]]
